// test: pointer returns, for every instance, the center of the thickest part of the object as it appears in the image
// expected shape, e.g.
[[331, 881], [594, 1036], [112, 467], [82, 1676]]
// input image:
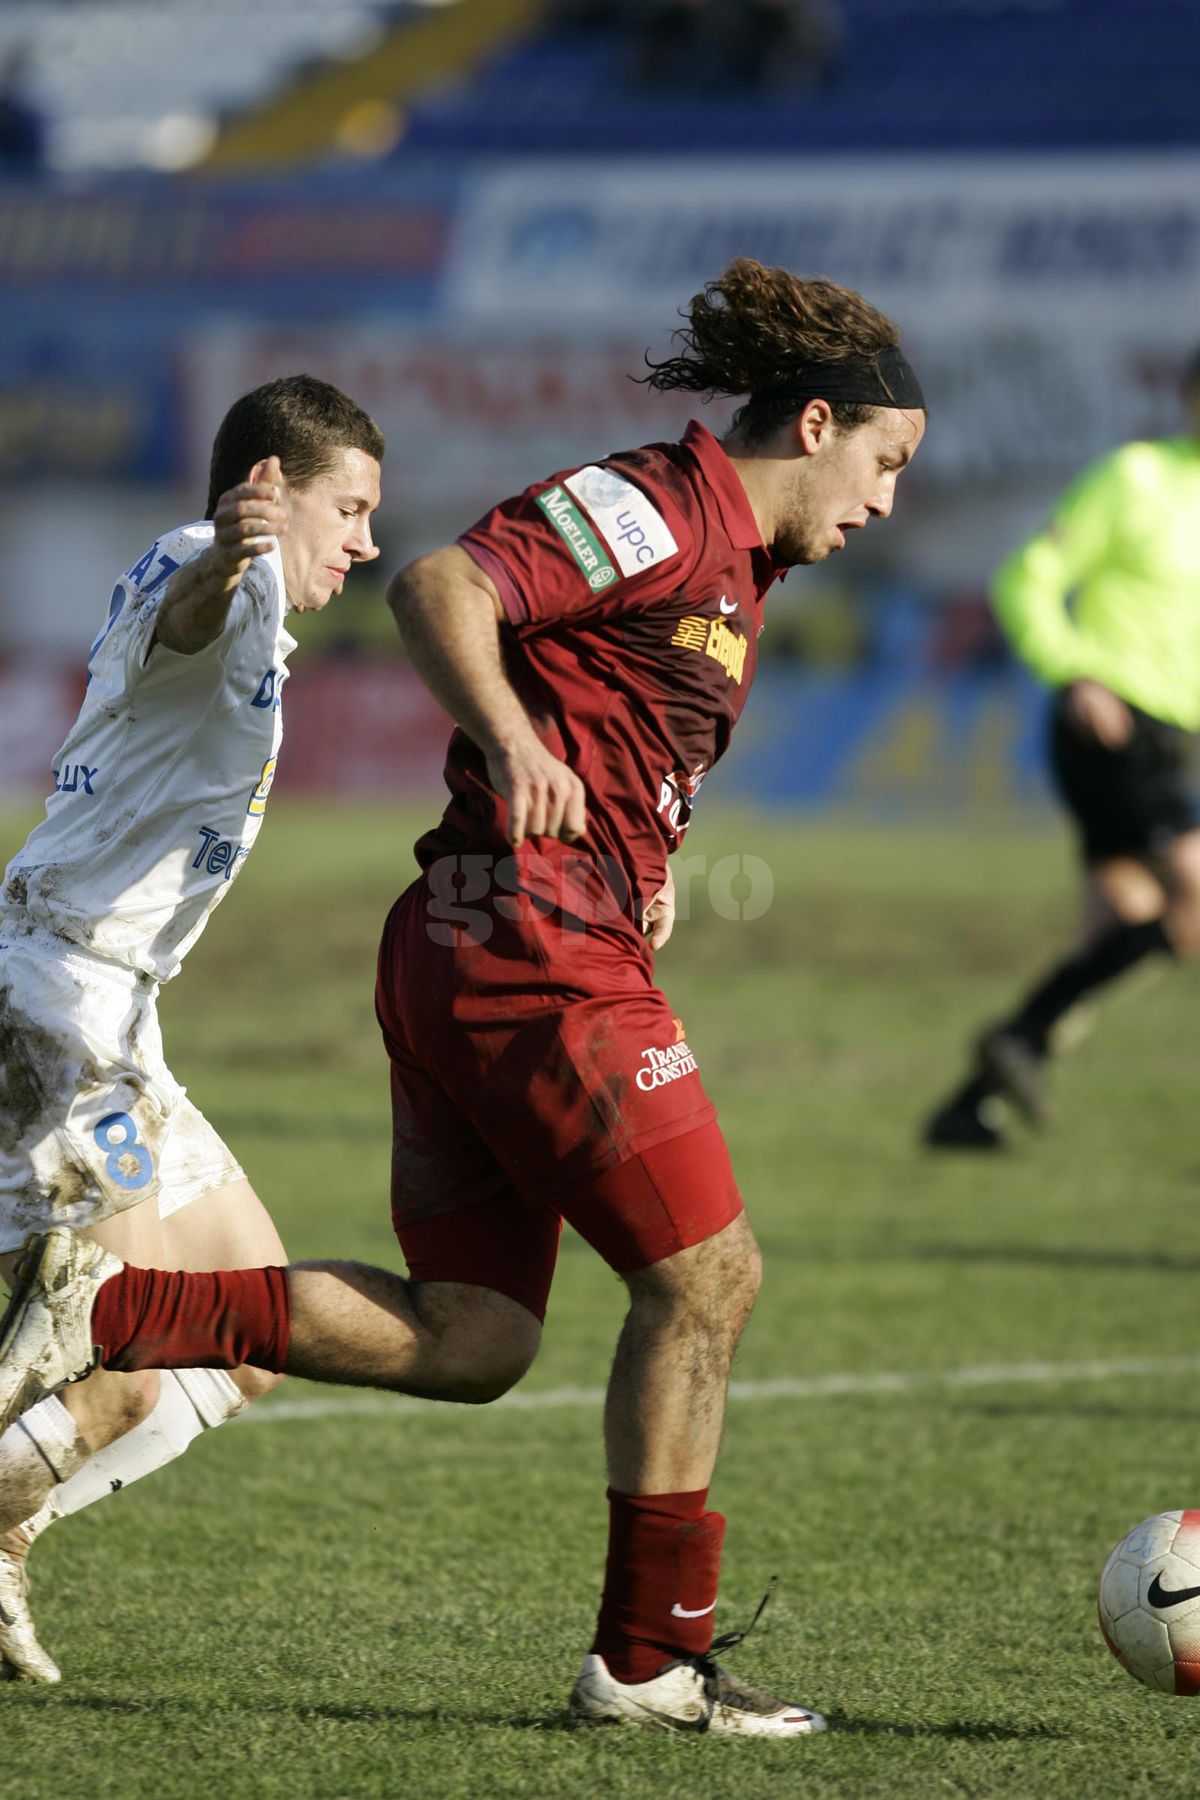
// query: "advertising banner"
[[188, 240], [1048, 299], [101, 287], [469, 416]]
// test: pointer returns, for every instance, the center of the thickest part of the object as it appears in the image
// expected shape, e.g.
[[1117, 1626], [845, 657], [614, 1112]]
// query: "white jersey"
[[160, 788]]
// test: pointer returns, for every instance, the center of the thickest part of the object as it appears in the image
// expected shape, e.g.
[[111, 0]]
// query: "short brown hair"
[[753, 327], [297, 418]]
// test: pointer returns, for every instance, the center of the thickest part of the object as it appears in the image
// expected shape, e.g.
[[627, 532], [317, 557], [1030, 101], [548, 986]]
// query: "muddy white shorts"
[[91, 1119]]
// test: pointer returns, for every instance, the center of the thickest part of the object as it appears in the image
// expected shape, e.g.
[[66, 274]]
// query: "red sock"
[[660, 1583], [166, 1319]]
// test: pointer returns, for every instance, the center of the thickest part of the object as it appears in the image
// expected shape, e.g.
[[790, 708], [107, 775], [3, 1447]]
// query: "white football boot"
[[693, 1693], [21, 1656], [46, 1333]]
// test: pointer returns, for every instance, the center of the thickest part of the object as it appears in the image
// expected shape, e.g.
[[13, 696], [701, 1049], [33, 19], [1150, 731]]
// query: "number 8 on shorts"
[[128, 1163]]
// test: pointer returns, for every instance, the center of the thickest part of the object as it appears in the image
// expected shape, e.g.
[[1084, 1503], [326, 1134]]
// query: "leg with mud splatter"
[[100, 1435]]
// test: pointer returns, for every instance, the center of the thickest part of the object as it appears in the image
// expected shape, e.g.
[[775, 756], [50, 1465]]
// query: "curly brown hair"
[[754, 328]]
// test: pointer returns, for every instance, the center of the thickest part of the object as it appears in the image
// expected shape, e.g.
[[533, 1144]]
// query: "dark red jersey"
[[634, 592]]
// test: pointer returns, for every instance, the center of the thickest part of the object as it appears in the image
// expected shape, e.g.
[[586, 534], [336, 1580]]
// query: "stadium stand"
[[916, 74], [144, 83], [359, 106], [150, 83]]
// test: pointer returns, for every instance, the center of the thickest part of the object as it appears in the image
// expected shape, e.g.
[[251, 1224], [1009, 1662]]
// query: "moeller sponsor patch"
[[635, 531], [576, 534]]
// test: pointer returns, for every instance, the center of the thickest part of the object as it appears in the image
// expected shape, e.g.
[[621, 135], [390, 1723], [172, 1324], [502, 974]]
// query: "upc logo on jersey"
[[634, 530], [715, 639], [665, 1065], [570, 525]]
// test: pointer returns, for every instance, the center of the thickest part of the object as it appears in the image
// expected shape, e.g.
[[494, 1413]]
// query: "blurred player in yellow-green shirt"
[[1104, 606]]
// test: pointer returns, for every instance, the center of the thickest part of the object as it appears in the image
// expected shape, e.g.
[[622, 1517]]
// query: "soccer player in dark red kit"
[[595, 640]]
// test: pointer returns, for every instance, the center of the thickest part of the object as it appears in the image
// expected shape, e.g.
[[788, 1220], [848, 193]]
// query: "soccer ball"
[[1149, 1602]]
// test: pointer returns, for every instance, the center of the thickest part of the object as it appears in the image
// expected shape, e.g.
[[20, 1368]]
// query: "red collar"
[[728, 492]]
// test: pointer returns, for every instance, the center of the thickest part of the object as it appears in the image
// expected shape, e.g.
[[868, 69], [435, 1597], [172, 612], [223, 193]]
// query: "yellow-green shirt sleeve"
[[1031, 589]]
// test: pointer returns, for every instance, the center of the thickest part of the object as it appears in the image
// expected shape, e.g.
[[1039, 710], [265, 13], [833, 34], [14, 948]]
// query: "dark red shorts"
[[539, 1075]]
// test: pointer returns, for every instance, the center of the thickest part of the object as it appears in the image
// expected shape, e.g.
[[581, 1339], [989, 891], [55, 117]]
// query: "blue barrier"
[[888, 742]]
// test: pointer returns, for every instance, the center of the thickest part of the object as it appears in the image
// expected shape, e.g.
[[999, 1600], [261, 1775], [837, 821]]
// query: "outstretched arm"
[[449, 612], [195, 609]]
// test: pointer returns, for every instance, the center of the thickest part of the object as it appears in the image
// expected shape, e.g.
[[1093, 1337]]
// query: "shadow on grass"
[[351, 1713], [372, 1713], [973, 1730]]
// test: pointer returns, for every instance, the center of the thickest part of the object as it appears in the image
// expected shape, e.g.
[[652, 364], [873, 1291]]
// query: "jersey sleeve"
[[589, 543], [141, 591], [1031, 590]]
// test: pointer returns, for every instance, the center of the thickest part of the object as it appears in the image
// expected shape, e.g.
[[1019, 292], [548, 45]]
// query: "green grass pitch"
[[393, 1601]]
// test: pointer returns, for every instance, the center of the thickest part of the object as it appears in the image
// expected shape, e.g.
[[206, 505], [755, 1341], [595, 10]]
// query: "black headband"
[[885, 378]]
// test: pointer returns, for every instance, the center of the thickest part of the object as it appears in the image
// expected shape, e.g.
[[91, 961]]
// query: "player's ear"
[[814, 426], [268, 469]]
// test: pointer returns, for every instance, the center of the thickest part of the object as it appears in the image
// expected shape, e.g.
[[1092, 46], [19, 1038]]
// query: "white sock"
[[41, 1450], [190, 1401]]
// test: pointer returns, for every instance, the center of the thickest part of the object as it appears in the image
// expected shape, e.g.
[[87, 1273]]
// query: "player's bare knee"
[[482, 1387], [488, 1370], [499, 1361], [483, 1342], [702, 1324]]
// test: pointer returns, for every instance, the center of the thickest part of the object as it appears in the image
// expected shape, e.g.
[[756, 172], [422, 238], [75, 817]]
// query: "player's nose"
[[360, 544], [881, 501]]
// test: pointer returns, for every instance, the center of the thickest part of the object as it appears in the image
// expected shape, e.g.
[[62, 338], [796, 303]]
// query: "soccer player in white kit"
[[159, 794]]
